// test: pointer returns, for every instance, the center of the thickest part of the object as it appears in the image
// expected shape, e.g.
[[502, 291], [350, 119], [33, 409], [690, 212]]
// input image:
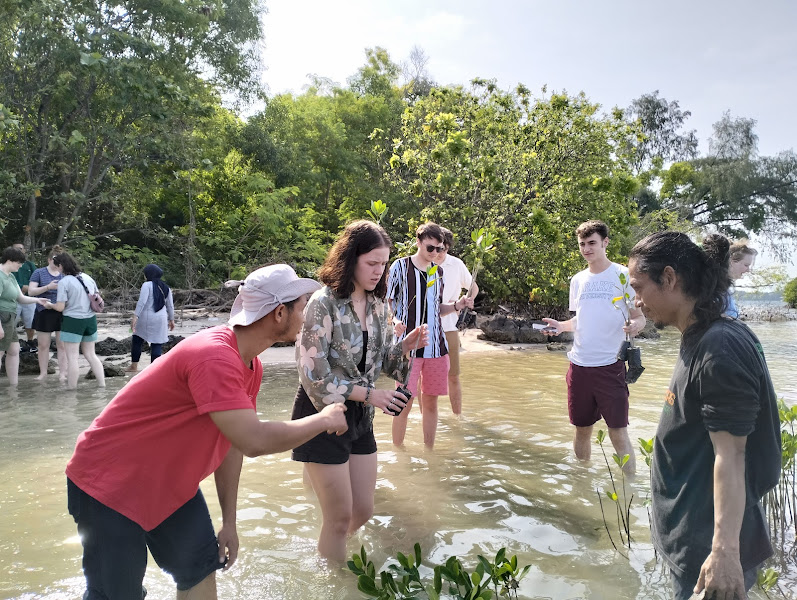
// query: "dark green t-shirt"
[[721, 383], [23, 274]]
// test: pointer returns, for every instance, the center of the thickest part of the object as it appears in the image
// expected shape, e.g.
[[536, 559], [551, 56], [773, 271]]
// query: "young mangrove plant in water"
[[781, 503], [622, 509], [451, 580], [628, 352]]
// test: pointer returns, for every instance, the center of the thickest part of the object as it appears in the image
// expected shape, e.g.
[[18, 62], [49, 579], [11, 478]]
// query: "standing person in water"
[[416, 298], [10, 295], [717, 450], [153, 318], [46, 321], [79, 325], [345, 344], [742, 258], [596, 384], [133, 480], [456, 277]]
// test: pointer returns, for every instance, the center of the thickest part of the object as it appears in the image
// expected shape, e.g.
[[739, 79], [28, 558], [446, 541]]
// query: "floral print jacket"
[[330, 347]]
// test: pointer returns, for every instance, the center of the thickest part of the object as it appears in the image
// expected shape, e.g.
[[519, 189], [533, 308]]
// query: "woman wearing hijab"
[[151, 323]]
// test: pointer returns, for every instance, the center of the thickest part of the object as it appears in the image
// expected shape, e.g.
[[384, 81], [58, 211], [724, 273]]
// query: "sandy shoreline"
[[117, 326]]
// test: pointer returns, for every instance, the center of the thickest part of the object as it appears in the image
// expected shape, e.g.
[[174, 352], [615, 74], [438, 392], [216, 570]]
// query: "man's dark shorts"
[[595, 392], [115, 548], [332, 449]]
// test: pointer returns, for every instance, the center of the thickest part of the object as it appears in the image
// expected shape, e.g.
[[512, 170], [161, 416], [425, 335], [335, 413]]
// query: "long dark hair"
[[358, 238], [702, 272], [67, 263]]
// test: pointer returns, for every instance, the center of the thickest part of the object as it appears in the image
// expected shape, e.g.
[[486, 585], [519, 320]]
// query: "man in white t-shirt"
[[596, 384], [456, 278]]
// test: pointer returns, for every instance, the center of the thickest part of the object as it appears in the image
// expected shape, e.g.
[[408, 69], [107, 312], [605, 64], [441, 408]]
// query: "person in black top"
[[718, 447]]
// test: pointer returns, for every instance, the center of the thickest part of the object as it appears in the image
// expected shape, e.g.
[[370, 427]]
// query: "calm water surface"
[[503, 475]]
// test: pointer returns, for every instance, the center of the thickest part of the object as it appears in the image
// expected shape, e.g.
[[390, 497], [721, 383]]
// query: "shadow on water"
[[503, 475]]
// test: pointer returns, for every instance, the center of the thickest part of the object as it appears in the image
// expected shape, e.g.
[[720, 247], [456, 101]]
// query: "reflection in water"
[[503, 475]]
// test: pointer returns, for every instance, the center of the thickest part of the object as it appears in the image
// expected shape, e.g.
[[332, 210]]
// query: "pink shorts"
[[435, 376]]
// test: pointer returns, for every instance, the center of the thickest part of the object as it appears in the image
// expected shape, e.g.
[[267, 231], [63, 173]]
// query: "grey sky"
[[710, 56]]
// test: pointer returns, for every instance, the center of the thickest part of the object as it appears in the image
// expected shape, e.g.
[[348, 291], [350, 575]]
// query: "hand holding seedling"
[[399, 327], [417, 337]]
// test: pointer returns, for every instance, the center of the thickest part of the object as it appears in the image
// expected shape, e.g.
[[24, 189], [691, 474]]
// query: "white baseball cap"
[[265, 289]]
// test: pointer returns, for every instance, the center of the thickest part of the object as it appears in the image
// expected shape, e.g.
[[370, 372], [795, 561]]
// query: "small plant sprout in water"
[[451, 580], [378, 211], [622, 508], [627, 352]]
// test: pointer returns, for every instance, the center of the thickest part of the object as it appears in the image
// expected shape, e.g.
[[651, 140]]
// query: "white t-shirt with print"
[[599, 325], [456, 278]]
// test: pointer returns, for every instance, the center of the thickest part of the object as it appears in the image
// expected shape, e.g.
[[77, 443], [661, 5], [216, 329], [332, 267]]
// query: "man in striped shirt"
[[416, 298]]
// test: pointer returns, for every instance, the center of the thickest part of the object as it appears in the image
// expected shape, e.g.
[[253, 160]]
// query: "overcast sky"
[[709, 55]]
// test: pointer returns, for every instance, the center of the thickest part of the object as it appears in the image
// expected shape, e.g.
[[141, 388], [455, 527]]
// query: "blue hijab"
[[160, 290]]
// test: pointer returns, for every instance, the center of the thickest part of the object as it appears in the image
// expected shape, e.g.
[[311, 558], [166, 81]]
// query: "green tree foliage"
[[733, 189], [530, 170], [320, 141], [790, 293], [97, 87]]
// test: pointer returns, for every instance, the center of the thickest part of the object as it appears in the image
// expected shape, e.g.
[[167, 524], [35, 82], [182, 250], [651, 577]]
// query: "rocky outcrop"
[[507, 329], [111, 370], [113, 347]]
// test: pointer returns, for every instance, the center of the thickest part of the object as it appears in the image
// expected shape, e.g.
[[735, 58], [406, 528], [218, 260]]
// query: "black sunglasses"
[[431, 248]]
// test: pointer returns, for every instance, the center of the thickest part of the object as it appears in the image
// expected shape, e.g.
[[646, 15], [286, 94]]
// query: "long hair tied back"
[[702, 272]]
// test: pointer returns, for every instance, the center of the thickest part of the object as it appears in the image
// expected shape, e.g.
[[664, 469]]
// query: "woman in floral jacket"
[[346, 342]]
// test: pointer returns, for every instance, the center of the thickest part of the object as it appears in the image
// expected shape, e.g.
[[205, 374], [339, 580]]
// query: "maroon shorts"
[[595, 392]]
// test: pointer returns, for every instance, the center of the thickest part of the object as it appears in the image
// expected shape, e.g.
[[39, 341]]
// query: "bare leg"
[[622, 446], [362, 472], [96, 365], [332, 486], [455, 394], [204, 590], [400, 424], [429, 419], [63, 365], [44, 353], [582, 442], [30, 333], [72, 357], [12, 363]]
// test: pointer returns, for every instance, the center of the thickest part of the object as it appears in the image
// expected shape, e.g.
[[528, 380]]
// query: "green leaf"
[[417, 549], [367, 586]]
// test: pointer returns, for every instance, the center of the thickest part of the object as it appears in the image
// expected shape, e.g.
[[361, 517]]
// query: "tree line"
[[117, 141]]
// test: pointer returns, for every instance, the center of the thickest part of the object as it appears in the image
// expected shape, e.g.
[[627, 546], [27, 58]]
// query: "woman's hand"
[[53, 285], [42, 302], [389, 401], [171, 325], [133, 322], [417, 338]]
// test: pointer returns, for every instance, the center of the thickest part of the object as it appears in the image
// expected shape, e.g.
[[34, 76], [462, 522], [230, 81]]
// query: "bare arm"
[[569, 325], [722, 571], [59, 306], [227, 477], [254, 437], [23, 299], [37, 290]]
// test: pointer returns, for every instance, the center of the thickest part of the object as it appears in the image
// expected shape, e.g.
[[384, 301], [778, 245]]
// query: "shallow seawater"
[[503, 475]]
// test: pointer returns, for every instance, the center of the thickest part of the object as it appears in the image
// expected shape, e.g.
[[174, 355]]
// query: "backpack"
[[96, 302]]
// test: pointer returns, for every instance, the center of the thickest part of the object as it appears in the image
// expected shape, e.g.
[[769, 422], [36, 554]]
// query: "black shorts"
[[331, 449], [115, 548], [47, 320]]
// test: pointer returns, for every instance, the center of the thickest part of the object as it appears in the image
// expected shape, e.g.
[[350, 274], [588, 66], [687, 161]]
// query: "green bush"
[[790, 293]]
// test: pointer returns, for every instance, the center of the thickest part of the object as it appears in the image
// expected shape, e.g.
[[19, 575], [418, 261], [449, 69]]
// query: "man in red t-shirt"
[[133, 480]]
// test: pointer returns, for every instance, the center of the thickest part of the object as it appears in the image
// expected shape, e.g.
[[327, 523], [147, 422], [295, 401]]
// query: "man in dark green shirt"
[[26, 311], [718, 445]]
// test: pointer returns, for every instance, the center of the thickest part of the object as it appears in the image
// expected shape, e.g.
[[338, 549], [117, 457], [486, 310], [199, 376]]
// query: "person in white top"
[[596, 384], [456, 277]]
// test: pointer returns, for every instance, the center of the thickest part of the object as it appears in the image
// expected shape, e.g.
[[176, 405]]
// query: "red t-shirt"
[[146, 453]]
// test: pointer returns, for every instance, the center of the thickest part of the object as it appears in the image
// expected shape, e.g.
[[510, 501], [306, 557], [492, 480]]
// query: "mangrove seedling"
[[451, 580], [628, 352], [622, 509], [378, 210], [484, 243]]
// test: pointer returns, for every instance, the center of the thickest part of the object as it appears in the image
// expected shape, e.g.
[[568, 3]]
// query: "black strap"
[[88, 293]]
